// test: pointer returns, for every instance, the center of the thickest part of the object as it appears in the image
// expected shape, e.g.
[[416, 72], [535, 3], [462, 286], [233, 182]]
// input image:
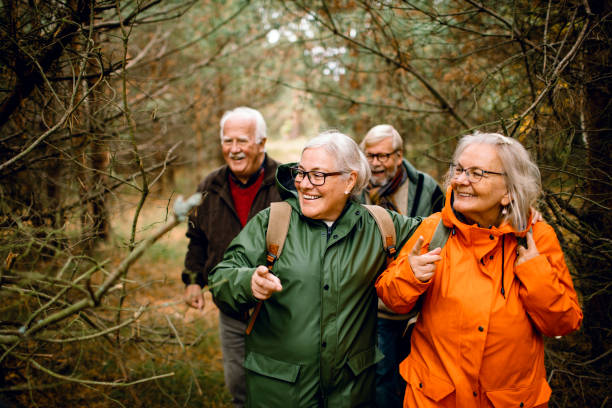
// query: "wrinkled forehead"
[[483, 156], [317, 158], [381, 145], [239, 125]]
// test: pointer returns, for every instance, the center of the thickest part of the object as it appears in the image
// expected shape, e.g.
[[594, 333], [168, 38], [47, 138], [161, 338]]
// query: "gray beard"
[[376, 183]]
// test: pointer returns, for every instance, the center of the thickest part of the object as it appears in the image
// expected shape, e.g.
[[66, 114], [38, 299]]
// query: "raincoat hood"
[[284, 181]]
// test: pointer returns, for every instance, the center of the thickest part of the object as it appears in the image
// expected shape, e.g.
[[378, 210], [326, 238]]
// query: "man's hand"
[[264, 284], [423, 266], [525, 254], [194, 297]]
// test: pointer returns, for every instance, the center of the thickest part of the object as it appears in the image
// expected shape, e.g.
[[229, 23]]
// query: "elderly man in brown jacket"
[[233, 194]]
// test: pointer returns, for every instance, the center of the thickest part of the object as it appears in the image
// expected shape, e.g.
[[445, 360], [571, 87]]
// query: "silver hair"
[[381, 132], [522, 175], [246, 112], [347, 154]]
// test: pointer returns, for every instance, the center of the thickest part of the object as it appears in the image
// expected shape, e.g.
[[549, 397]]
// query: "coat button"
[[326, 287], [475, 393], [324, 344], [357, 212], [491, 237], [490, 256], [420, 385], [521, 405], [335, 236], [480, 328]]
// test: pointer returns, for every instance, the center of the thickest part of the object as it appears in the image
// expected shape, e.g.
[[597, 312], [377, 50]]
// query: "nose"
[[462, 178], [304, 180]]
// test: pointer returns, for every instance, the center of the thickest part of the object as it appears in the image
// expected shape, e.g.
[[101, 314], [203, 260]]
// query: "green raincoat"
[[314, 343]]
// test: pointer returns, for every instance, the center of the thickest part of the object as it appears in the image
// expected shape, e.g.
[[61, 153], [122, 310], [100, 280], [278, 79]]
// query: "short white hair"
[[250, 113], [522, 175], [381, 132], [347, 154]]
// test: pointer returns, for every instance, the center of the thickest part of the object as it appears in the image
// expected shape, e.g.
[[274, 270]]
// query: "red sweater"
[[243, 196]]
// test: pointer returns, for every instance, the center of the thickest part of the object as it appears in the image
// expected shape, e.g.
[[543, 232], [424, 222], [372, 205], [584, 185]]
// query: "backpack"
[[278, 226]]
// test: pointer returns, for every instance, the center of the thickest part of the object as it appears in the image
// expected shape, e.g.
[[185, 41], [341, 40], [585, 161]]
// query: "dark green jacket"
[[314, 343]]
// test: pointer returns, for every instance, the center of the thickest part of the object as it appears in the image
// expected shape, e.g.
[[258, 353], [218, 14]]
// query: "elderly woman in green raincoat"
[[314, 341]]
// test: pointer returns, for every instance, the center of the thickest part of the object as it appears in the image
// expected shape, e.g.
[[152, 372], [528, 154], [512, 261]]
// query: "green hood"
[[284, 181]]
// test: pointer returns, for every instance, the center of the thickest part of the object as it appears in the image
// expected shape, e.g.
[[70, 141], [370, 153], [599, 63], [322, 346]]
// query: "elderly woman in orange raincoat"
[[487, 299]]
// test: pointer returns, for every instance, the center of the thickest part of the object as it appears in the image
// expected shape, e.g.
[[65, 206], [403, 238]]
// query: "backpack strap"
[[417, 195], [278, 226], [386, 228], [522, 240], [440, 236]]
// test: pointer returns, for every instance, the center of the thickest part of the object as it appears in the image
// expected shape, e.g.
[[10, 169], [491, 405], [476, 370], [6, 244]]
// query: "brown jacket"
[[214, 223]]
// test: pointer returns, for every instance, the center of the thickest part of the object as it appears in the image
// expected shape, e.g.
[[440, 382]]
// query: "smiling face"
[[324, 202], [383, 171], [480, 202], [240, 151]]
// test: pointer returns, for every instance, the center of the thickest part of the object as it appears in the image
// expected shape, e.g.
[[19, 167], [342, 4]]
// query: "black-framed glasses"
[[316, 178], [382, 157], [474, 174]]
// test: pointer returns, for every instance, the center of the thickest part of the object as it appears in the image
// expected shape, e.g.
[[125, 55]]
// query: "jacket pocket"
[[269, 367], [364, 359], [427, 384], [530, 396]]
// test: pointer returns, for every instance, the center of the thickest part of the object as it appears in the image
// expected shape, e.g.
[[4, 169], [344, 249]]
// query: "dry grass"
[[168, 338]]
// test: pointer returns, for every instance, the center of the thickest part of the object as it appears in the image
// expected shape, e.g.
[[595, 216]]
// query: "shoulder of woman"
[[542, 229]]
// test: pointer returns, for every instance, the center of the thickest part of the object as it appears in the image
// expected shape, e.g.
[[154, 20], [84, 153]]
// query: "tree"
[[535, 71], [97, 97]]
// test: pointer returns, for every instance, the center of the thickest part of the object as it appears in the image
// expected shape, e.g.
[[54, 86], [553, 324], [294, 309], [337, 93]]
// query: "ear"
[[399, 157], [351, 181], [506, 199]]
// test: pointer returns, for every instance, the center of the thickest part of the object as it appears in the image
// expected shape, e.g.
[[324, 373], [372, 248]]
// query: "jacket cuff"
[[190, 277]]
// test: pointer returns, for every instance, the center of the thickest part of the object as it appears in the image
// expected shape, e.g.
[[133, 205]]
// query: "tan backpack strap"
[[387, 229], [278, 226]]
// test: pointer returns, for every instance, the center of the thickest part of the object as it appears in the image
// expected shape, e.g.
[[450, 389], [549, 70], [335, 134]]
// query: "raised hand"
[[537, 216], [423, 266], [525, 254], [264, 283]]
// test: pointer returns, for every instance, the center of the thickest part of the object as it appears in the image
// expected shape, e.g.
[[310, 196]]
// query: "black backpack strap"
[[522, 240], [417, 195]]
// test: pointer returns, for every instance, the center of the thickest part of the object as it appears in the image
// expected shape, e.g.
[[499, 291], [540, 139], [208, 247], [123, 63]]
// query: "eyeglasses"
[[382, 157], [474, 174], [316, 178]]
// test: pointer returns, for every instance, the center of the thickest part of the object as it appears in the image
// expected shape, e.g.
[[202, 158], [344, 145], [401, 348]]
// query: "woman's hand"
[[423, 266], [264, 283], [525, 254], [537, 216]]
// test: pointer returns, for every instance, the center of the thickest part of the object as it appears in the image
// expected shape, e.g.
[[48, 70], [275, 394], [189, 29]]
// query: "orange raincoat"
[[473, 346]]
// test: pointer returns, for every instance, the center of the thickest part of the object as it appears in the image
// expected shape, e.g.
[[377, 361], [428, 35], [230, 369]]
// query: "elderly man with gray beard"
[[233, 194], [396, 185]]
